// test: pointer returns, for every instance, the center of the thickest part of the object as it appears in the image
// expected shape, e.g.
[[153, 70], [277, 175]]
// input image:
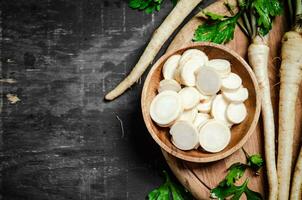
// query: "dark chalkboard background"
[[62, 141]]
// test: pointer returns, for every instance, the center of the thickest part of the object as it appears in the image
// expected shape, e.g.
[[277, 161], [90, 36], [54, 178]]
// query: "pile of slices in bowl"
[[199, 100]]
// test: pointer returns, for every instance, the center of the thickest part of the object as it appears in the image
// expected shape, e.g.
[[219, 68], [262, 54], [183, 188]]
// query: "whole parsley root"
[[182, 9], [291, 75]]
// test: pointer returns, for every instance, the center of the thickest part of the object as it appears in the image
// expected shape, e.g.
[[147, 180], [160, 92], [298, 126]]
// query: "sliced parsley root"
[[182, 9]]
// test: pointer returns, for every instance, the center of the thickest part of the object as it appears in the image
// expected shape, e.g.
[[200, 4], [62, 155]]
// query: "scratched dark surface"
[[62, 141]]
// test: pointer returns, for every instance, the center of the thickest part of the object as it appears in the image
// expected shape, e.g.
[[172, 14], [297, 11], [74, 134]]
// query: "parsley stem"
[[290, 10], [253, 25], [246, 23], [242, 27], [298, 7]]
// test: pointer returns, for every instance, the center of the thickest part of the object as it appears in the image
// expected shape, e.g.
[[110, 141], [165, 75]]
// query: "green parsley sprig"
[[257, 18], [169, 189], [227, 188], [149, 6]]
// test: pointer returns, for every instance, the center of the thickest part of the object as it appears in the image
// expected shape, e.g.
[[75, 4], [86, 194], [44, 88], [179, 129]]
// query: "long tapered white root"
[[258, 54], [291, 74], [182, 9], [296, 189]]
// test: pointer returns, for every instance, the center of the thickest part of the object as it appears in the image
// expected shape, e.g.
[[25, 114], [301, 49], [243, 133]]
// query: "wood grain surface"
[[200, 178]]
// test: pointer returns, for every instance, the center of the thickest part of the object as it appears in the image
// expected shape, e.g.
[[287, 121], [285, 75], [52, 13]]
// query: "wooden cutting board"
[[200, 178]]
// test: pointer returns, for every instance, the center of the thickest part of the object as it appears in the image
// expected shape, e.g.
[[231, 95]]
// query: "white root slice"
[[208, 81], [237, 96], [190, 97], [204, 97], [188, 72], [188, 115], [169, 84], [219, 109], [200, 120], [231, 83], [236, 113], [194, 54], [184, 135], [221, 66], [205, 105], [170, 66], [166, 108], [214, 136], [182, 9]]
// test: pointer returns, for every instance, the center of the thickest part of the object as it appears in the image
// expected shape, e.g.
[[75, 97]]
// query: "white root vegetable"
[[297, 180], [258, 54], [208, 81], [219, 108], [205, 105], [169, 84], [190, 97], [188, 72], [182, 9], [200, 120], [194, 54], [221, 66], [291, 75], [236, 113], [237, 96], [166, 108], [204, 97], [231, 83], [214, 136], [184, 135], [170, 66], [188, 115]]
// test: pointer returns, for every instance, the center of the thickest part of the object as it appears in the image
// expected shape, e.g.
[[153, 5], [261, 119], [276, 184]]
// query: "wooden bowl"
[[240, 133]]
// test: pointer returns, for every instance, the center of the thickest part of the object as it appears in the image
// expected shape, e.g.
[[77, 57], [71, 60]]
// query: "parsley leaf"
[[235, 172], [265, 11], [168, 189], [218, 31], [222, 192], [226, 187], [149, 6], [255, 162], [214, 16]]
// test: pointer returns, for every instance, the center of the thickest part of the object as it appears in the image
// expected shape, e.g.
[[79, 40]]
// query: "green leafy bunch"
[[265, 11], [148, 5], [227, 188], [257, 16], [218, 29], [169, 191]]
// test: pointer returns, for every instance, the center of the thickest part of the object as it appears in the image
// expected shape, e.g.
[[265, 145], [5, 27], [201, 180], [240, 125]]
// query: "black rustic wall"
[[61, 140]]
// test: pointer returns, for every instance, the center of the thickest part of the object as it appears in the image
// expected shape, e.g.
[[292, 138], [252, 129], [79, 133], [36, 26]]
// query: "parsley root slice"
[[168, 84], [214, 136], [291, 75], [184, 135], [170, 66], [182, 9], [166, 108]]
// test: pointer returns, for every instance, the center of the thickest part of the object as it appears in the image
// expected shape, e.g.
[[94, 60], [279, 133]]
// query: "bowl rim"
[[227, 153]]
